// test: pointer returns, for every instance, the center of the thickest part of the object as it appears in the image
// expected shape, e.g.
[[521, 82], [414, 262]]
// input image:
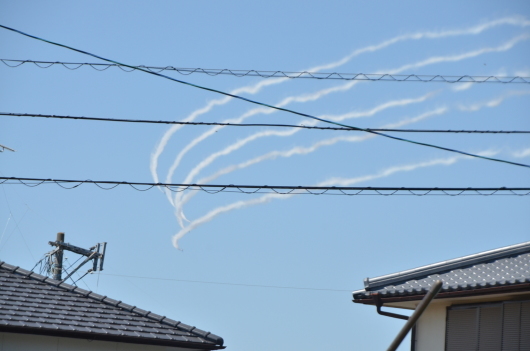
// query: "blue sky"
[[318, 242]]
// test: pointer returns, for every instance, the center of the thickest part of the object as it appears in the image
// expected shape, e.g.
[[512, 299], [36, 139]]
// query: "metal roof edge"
[[385, 280], [108, 301], [360, 291]]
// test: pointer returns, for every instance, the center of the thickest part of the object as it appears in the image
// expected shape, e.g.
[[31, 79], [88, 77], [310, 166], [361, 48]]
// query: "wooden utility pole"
[[58, 261], [96, 254]]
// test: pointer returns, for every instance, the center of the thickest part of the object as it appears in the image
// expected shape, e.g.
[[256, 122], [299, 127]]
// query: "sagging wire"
[[281, 189], [127, 120], [267, 105], [226, 283], [375, 77]]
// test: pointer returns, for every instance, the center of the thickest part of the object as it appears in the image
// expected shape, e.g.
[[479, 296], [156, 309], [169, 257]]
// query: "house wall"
[[28, 342], [430, 328]]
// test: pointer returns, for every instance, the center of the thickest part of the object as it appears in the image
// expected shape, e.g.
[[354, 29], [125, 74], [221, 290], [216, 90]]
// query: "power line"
[[17, 226], [267, 105], [274, 189], [282, 74], [261, 124], [224, 283]]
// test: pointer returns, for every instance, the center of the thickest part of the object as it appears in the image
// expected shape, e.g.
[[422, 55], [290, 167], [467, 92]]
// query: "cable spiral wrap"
[[277, 189], [281, 74]]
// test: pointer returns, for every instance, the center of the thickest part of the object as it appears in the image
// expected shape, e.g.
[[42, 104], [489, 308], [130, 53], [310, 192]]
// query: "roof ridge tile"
[[126, 307], [81, 291], [155, 316], [110, 301], [141, 312], [22, 271], [96, 296]]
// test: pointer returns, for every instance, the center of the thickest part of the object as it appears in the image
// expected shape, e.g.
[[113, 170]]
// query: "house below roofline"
[[39, 313], [16, 341], [484, 303]]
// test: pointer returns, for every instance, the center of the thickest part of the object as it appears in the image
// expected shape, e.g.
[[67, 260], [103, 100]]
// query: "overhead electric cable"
[[425, 78], [277, 189], [264, 104], [225, 283], [101, 119]]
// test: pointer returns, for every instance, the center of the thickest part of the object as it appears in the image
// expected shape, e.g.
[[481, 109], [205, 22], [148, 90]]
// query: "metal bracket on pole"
[[95, 253], [102, 256], [80, 265]]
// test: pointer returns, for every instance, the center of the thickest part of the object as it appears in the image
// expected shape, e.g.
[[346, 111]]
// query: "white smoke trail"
[[250, 113], [438, 59], [241, 143], [514, 21], [253, 89], [506, 46], [356, 114], [274, 154], [220, 210], [181, 199], [330, 182], [319, 94], [522, 153], [500, 73], [463, 86], [523, 73], [493, 103]]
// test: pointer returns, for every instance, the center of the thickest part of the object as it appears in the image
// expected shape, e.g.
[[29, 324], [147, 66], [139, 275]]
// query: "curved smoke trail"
[[330, 182], [340, 88], [253, 89], [208, 160], [183, 198]]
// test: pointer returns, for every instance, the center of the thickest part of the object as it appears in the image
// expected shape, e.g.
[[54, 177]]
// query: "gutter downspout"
[[379, 304]]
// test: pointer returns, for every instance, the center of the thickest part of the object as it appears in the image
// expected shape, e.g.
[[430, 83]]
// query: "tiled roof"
[[32, 303], [508, 266]]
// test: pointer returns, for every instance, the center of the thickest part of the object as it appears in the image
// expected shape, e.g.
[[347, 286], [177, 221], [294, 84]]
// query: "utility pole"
[[53, 260], [57, 269]]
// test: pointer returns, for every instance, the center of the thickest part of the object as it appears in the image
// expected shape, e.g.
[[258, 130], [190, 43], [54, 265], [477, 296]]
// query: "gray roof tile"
[[501, 267], [29, 300]]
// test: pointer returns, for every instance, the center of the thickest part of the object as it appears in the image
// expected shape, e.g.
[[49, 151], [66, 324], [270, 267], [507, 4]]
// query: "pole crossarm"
[[96, 253], [73, 248]]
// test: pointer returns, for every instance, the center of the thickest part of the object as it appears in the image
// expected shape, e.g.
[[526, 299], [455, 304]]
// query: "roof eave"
[[368, 300], [212, 338], [108, 337]]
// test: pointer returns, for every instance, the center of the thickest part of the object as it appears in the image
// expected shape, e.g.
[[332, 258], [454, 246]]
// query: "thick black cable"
[[101, 119], [283, 74], [264, 104], [280, 189]]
